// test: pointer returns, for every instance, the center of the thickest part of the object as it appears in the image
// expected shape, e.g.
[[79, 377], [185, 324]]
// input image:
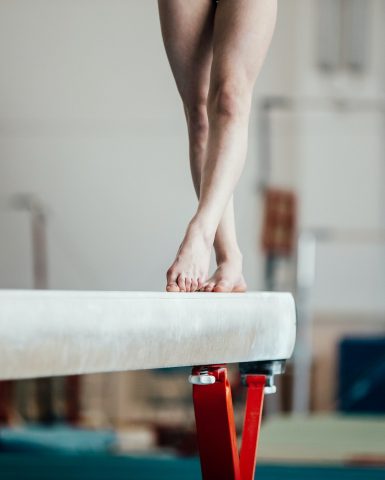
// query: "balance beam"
[[48, 333]]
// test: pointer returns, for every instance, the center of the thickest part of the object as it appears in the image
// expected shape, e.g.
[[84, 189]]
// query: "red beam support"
[[217, 439], [5, 401], [214, 415], [72, 398], [253, 416]]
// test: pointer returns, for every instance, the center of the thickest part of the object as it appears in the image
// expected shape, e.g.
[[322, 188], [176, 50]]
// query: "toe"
[[194, 285], [172, 287], [209, 287], [241, 288], [223, 286], [201, 285], [188, 284], [181, 283]]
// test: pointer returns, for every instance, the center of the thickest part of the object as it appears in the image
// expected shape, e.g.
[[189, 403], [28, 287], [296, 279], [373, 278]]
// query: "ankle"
[[200, 228], [230, 255]]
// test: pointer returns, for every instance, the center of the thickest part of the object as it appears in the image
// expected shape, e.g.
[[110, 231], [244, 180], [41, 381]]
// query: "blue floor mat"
[[56, 439], [15, 466]]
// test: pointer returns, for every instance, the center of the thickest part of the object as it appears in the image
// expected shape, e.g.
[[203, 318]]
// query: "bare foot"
[[189, 271], [227, 277]]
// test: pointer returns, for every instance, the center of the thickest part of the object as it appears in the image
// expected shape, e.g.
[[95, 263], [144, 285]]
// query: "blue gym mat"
[[65, 453], [56, 439], [21, 466]]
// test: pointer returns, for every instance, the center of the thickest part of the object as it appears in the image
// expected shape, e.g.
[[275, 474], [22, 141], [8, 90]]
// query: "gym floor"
[[73, 467], [339, 447]]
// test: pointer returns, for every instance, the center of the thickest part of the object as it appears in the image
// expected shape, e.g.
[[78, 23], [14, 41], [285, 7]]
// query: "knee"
[[229, 98], [197, 119]]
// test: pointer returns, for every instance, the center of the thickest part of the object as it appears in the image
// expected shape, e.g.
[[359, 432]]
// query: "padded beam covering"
[[47, 333]]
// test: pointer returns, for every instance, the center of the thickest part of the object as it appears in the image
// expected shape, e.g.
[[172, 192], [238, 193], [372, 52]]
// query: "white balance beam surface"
[[47, 333]]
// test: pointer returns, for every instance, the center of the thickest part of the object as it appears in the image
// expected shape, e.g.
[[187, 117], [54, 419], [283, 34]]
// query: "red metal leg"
[[72, 397], [251, 426], [216, 433], [217, 440], [5, 401]]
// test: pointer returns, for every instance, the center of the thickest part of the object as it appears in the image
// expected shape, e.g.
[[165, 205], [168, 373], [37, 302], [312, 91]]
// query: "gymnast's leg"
[[190, 54], [241, 35]]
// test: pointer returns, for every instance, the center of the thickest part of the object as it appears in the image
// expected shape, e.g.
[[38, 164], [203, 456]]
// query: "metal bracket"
[[201, 378], [268, 368]]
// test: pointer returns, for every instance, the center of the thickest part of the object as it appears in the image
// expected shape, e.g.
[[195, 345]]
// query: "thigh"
[[242, 33], [187, 30]]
